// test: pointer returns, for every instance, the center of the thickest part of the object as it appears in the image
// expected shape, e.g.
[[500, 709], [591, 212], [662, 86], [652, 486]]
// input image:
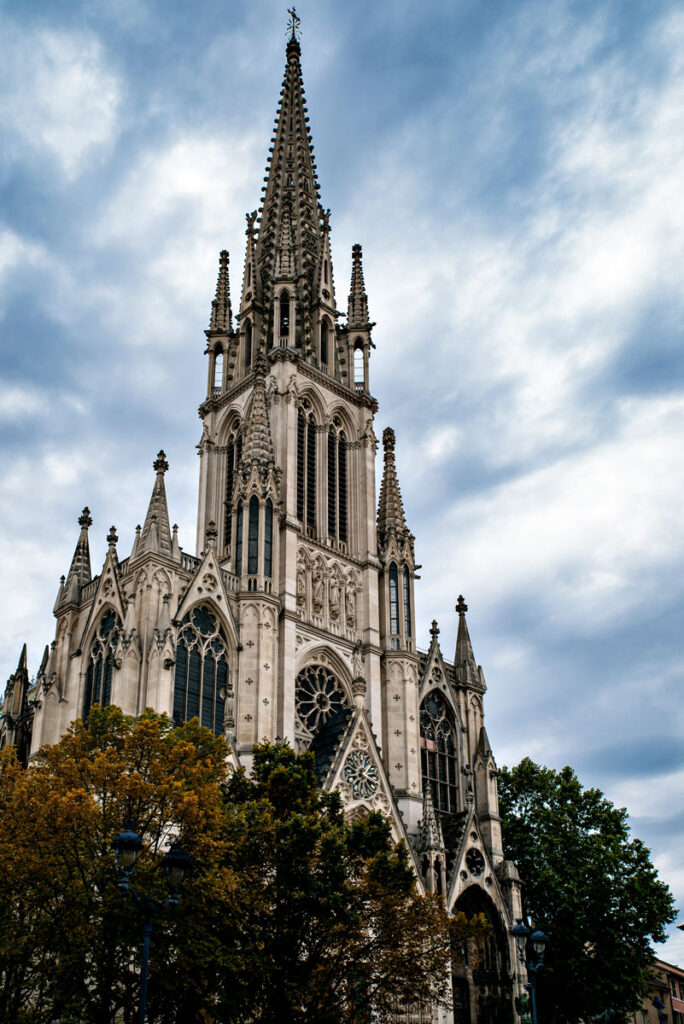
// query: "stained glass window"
[[201, 670], [438, 752]]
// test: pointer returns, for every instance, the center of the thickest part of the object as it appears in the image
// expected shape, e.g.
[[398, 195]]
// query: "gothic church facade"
[[295, 618]]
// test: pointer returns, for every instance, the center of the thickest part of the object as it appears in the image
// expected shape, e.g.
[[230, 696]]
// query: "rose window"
[[360, 774], [318, 697]]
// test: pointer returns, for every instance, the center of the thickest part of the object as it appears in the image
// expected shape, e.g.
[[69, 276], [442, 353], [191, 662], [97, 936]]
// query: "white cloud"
[[57, 95]]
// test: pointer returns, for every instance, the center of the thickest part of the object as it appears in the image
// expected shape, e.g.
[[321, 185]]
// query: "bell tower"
[[287, 478]]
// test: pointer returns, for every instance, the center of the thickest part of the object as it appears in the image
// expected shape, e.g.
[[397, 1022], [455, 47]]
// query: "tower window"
[[342, 486], [306, 469], [248, 345], [324, 342], [394, 598], [201, 671], [332, 484], [325, 271], [284, 314], [407, 602], [238, 540], [358, 365], [233, 455], [98, 687], [337, 483], [268, 540], [253, 536], [218, 368], [438, 753]]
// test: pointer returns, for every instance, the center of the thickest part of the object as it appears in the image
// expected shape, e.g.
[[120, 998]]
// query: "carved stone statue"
[[350, 605], [318, 593], [358, 661], [301, 586], [334, 599]]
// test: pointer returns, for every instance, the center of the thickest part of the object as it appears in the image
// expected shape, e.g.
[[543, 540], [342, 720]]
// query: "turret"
[[220, 335], [359, 326]]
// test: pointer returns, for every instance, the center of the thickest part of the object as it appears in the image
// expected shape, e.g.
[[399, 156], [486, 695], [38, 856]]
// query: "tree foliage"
[[289, 913], [589, 885]]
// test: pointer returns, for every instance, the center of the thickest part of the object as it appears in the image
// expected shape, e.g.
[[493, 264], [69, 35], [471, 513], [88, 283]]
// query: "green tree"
[[289, 912], [589, 885]]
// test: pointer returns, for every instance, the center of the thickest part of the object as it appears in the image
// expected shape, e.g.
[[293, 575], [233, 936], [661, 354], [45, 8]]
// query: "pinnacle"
[[464, 659], [156, 532], [258, 444], [221, 313], [391, 518], [430, 833], [357, 308], [79, 573]]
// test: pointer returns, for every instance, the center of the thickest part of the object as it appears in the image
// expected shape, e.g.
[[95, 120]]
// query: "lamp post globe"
[[128, 845]]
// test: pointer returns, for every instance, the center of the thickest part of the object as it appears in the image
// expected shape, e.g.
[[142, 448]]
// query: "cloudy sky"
[[514, 172]]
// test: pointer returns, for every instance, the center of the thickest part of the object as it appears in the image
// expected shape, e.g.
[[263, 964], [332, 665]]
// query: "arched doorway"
[[483, 988]]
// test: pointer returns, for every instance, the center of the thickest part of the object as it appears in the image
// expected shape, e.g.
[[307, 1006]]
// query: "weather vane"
[[294, 23]]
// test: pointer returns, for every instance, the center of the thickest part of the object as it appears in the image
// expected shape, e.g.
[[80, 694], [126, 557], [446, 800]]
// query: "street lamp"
[[538, 941], [128, 845]]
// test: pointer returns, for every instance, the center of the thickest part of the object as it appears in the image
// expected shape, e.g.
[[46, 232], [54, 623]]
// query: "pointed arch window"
[[268, 539], [359, 375], [325, 329], [306, 469], [233, 456], [253, 536], [407, 602], [98, 684], [201, 674], [218, 369], [248, 345], [238, 539], [438, 753], [325, 271], [394, 600], [337, 482], [284, 314]]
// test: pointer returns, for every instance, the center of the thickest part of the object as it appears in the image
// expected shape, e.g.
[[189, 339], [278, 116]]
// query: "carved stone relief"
[[327, 593]]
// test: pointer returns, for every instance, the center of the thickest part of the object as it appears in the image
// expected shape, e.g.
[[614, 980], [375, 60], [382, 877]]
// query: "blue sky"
[[514, 172]]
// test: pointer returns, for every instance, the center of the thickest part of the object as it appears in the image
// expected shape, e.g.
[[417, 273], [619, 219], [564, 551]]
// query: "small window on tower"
[[248, 345], [284, 314], [358, 365], [324, 342], [218, 369], [325, 271]]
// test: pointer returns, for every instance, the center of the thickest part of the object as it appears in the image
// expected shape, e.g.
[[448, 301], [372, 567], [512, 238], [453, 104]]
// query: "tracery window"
[[337, 481], [201, 670], [438, 753], [394, 599], [253, 536], [407, 602], [318, 697], [98, 684], [233, 456], [306, 469], [268, 539]]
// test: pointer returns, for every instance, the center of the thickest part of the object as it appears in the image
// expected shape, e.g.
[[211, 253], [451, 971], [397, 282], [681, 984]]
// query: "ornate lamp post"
[[128, 845], [532, 963]]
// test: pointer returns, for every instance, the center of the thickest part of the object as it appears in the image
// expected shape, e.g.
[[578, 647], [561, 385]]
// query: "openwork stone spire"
[[221, 313], [464, 659], [79, 573], [257, 446], [357, 307], [156, 532], [391, 518], [291, 190], [430, 832]]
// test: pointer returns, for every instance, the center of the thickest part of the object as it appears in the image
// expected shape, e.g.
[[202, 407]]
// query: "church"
[[295, 616]]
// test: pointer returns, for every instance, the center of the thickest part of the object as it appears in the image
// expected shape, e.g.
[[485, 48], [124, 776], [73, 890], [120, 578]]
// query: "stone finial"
[[434, 630], [461, 606], [160, 465], [388, 439], [112, 537], [85, 520]]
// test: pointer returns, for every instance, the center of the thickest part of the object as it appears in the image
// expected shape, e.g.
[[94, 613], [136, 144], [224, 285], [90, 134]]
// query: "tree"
[[589, 885], [289, 913]]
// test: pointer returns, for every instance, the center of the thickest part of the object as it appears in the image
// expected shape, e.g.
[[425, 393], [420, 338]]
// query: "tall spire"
[[221, 312], [291, 185], [257, 447], [357, 307], [391, 518], [156, 532], [430, 831], [79, 573], [464, 659]]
